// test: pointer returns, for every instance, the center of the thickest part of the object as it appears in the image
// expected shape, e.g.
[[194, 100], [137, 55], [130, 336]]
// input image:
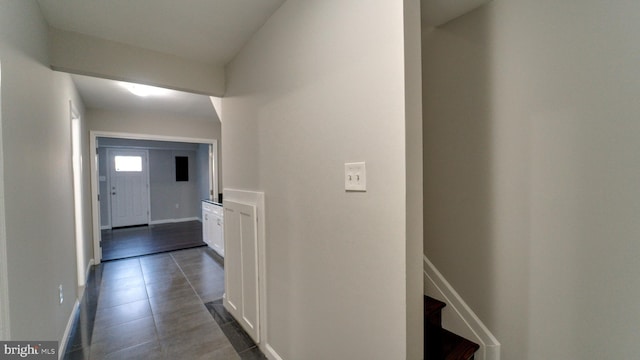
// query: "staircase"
[[441, 344]]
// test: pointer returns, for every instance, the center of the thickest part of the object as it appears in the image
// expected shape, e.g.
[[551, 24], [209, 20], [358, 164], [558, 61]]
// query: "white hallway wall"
[[531, 145], [321, 84], [163, 124], [37, 177]]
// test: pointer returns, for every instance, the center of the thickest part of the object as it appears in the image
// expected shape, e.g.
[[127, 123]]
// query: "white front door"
[[129, 187]]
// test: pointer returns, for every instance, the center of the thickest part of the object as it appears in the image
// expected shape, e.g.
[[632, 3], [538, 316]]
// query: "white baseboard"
[[67, 330], [268, 351], [5, 323], [171, 221], [81, 288], [88, 270], [76, 307], [457, 316]]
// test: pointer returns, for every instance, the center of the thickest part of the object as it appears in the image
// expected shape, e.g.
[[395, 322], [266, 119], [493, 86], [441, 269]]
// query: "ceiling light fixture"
[[145, 90]]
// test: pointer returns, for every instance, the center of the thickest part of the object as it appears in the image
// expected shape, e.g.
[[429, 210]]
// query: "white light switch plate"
[[355, 177]]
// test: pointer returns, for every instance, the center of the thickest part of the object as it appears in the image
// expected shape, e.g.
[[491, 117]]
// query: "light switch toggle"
[[355, 176]]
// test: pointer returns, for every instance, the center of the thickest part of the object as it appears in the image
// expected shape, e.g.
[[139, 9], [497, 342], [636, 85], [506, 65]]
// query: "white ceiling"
[[112, 95], [209, 31]]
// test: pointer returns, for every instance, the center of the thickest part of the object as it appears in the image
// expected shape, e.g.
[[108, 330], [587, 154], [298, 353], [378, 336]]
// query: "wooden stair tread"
[[456, 347], [432, 305], [441, 344]]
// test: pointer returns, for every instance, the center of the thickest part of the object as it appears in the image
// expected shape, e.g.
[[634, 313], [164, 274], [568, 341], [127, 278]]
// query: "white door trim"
[[78, 193], [95, 184], [5, 324], [213, 171]]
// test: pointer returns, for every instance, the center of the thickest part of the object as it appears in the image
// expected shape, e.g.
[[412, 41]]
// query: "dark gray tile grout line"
[[153, 318], [237, 329], [234, 332], [186, 277]]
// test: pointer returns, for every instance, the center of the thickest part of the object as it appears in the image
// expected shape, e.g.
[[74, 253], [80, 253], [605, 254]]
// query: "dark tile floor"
[[153, 307], [239, 339], [134, 241]]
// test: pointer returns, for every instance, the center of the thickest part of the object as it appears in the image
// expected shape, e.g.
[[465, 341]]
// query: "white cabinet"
[[213, 226], [217, 238], [206, 223]]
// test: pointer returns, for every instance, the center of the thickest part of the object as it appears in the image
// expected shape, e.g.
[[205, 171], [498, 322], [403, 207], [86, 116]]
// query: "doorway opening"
[[173, 205]]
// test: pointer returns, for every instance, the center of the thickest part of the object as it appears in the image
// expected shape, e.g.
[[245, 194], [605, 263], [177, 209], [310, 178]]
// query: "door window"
[[128, 163]]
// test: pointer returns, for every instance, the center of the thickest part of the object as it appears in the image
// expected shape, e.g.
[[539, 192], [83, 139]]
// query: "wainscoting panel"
[[241, 265], [256, 199]]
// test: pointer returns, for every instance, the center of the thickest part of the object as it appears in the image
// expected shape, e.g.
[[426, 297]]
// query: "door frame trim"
[[95, 184], [77, 188], [5, 324]]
